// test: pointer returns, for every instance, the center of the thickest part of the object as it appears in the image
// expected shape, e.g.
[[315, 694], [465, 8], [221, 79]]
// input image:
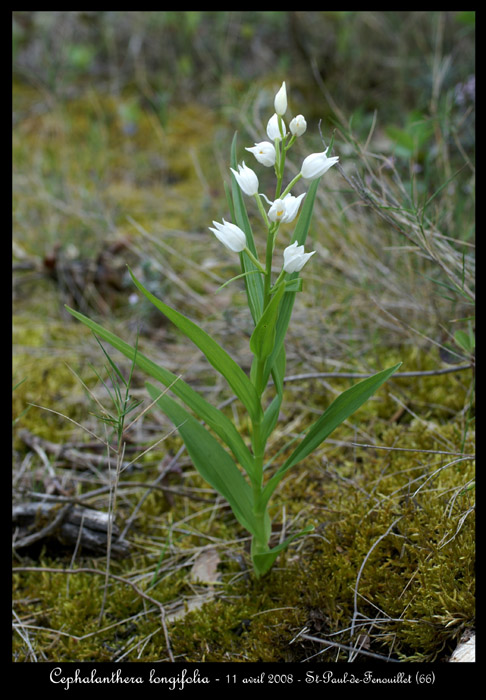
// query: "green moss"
[[44, 382], [418, 586], [394, 537]]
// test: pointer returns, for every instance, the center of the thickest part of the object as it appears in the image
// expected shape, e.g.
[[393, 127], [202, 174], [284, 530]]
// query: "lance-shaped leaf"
[[214, 418], [211, 460], [214, 353], [262, 340], [270, 416], [278, 369], [340, 409], [253, 283]]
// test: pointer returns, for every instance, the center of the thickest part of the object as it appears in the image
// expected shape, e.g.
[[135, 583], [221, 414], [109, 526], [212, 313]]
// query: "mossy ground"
[[393, 551], [390, 564]]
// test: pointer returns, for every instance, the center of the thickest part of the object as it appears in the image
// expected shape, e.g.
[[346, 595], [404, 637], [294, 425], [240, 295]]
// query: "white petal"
[[273, 131], [230, 235], [298, 125], [280, 102], [316, 165], [264, 152]]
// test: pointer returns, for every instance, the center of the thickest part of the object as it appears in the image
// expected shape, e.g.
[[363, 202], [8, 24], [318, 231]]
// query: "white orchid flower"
[[264, 152], [295, 258], [247, 179], [316, 165], [292, 205], [277, 210], [285, 209], [230, 236]]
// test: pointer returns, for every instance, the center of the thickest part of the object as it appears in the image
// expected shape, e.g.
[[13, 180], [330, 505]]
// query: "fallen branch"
[[67, 524], [65, 453]]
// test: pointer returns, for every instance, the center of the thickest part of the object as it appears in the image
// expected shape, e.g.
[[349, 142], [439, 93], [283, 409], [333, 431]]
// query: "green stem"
[[290, 185], [260, 498], [277, 281], [280, 173], [254, 260], [277, 158], [258, 452], [291, 142], [259, 372], [259, 542], [280, 176], [268, 265], [259, 504]]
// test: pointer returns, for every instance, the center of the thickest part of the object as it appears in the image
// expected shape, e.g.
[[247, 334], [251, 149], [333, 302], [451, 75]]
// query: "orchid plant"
[[236, 470]]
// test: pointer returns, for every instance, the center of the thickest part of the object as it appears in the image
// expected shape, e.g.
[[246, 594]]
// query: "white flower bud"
[[298, 125], [280, 101], [273, 131]]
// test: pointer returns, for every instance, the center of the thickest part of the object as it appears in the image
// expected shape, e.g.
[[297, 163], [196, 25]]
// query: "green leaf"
[[278, 369], [253, 283], [211, 460], [340, 409], [302, 228], [270, 416], [216, 420], [294, 285], [403, 140], [214, 353], [465, 340], [262, 340]]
